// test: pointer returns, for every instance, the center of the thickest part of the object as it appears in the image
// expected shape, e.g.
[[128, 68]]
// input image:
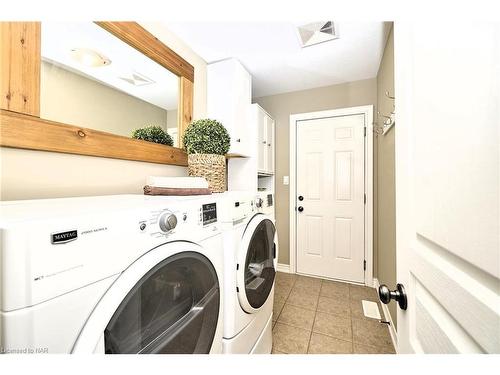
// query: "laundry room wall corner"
[[385, 214]]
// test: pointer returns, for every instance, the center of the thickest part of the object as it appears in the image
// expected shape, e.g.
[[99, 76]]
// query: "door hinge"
[[364, 265], [365, 131], [365, 198]]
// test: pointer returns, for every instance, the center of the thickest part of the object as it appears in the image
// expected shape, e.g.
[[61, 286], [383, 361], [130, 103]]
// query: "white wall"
[[39, 174]]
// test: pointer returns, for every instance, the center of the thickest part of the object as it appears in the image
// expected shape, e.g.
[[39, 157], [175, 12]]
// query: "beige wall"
[[172, 119], [386, 210], [73, 99], [280, 107], [38, 174]]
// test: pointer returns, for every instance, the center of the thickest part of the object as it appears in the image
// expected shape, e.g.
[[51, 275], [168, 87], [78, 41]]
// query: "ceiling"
[[272, 53], [58, 38]]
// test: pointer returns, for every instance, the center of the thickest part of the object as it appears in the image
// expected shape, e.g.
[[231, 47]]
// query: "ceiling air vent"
[[317, 32], [137, 79]]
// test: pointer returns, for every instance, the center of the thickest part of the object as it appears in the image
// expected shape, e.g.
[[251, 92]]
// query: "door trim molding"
[[367, 111], [281, 267], [388, 318]]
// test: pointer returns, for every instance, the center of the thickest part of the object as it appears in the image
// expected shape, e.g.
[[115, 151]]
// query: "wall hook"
[[380, 114], [389, 96]]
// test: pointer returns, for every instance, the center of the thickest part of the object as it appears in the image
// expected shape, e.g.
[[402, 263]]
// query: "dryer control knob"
[[259, 202], [168, 221]]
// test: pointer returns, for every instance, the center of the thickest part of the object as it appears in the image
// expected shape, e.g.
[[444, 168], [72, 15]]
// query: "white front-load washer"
[[114, 274], [249, 272]]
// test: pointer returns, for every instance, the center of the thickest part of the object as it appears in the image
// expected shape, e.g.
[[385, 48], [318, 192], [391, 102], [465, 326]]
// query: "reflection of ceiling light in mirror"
[[317, 32], [88, 57], [137, 79]]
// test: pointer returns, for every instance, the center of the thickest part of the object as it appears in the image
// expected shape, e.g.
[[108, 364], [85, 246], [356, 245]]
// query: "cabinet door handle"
[[269, 144], [264, 142], [238, 140]]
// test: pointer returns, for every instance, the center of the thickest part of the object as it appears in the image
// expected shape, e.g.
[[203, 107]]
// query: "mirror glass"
[[92, 79]]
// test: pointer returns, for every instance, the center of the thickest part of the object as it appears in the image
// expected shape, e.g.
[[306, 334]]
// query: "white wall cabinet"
[[265, 140], [229, 95]]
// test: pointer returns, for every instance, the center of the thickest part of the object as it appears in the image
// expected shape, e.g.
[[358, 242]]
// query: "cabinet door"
[[228, 101], [262, 142], [220, 96], [270, 145], [243, 87]]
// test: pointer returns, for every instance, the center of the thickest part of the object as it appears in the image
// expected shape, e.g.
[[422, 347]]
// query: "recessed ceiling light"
[[317, 32], [89, 57], [137, 79]]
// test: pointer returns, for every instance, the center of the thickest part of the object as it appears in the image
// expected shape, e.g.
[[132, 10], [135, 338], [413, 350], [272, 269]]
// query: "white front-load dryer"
[[115, 274], [250, 249], [264, 204]]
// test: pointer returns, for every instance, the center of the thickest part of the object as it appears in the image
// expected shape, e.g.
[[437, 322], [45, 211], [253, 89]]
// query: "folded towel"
[[177, 182], [154, 190]]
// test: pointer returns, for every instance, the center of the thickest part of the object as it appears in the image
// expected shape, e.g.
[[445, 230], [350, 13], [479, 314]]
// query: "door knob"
[[301, 198], [399, 295], [300, 208]]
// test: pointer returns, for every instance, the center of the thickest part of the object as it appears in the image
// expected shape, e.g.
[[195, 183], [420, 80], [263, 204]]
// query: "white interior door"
[[330, 197], [447, 187]]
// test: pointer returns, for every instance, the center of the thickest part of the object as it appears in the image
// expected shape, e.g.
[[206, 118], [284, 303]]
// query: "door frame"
[[367, 111]]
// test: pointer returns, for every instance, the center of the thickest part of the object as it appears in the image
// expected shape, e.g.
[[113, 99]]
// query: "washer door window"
[[173, 308], [257, 275]]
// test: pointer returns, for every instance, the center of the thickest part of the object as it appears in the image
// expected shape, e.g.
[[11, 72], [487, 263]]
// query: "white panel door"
[[447, 187], [330, 190]]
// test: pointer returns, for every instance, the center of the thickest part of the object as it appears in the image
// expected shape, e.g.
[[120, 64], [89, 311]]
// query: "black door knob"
[[300, 208], [301, 198], [399, 295]]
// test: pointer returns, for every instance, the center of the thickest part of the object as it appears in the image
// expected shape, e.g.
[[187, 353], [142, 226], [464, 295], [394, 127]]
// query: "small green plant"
[[153, 134], [206, 137]]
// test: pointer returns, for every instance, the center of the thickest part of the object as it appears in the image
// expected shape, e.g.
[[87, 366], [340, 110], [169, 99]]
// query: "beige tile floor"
[[318, 316]]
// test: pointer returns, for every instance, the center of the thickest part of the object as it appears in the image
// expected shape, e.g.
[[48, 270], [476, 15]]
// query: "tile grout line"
[[351, 317], [284, 303], [316, 311], [314, 320]]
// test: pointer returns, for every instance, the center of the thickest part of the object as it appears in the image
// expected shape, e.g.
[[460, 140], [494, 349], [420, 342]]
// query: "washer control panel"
[[209, 213], [189, 219], [167, 221]]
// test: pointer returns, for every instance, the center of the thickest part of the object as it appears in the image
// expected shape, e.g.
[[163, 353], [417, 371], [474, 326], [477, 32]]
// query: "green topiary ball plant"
[[206, 137], [153, 134]]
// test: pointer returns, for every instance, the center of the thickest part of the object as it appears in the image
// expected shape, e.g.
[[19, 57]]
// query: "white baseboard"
[[387, 316], [283, 268]]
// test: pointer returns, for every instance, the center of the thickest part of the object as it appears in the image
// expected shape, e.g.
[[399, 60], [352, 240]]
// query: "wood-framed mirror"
[[46, 67]]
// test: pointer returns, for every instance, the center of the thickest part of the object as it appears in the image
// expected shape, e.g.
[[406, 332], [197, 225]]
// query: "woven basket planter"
[[210, 166]]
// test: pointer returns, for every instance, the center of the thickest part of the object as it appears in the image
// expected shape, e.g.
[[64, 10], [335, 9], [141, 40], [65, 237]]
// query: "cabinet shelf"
[[235, 155]]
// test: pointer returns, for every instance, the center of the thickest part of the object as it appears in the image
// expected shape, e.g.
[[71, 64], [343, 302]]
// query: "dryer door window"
[[174, 308], [259, 264]]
